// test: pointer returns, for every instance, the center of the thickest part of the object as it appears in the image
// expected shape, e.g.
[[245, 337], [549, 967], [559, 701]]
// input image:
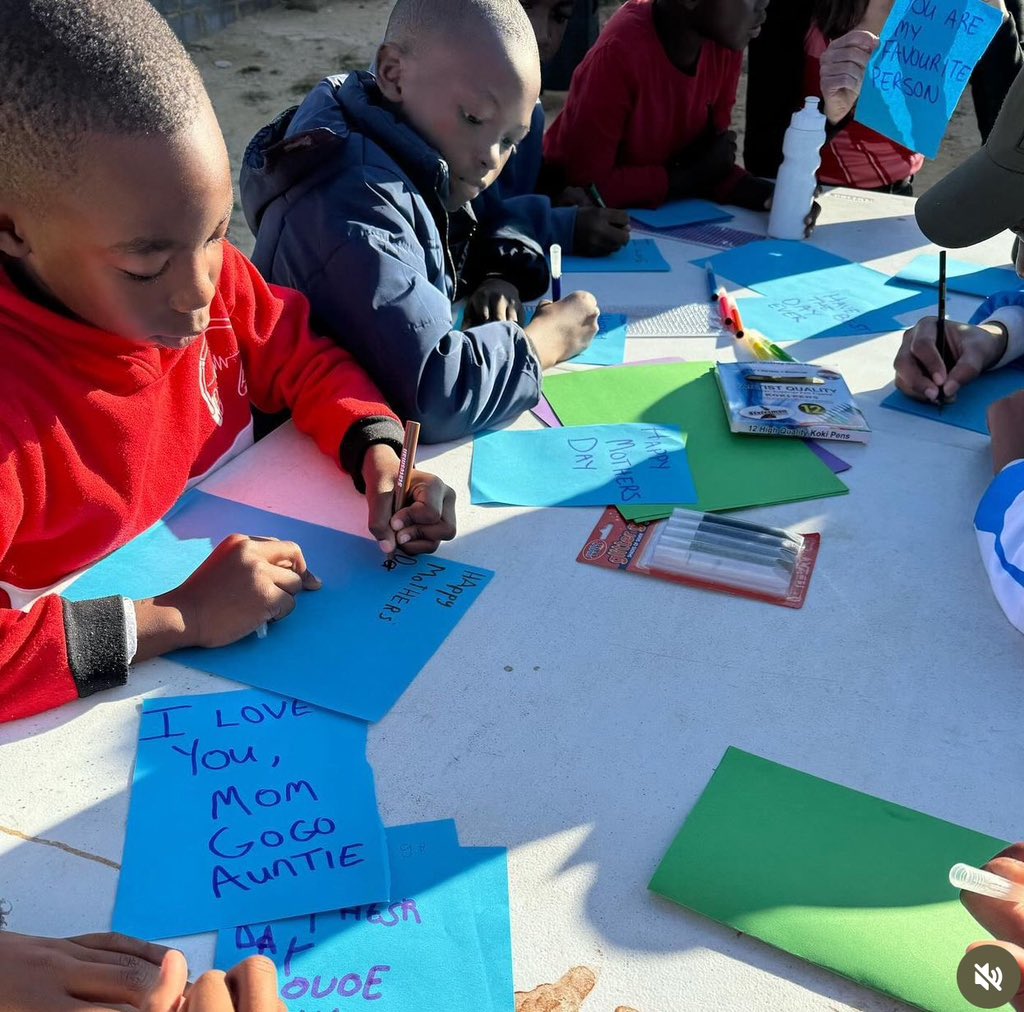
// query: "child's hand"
[[719, 157], [810, 219], [495, 299], [419, 527], [251, 986], [599, 231], [244, 583], [703, 164], [843, 66], [1003, 920], [920, 371], [573, 196], [560, 330], [76, 974]]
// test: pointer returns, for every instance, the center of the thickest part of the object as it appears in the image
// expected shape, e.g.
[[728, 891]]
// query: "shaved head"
[[74, 68], [504, 20]]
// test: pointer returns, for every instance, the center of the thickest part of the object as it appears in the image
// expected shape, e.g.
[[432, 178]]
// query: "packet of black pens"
[[708, 550]]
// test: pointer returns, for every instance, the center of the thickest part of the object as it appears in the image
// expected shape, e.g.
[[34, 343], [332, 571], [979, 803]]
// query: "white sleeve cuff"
[[1012, 318], [131, 630]]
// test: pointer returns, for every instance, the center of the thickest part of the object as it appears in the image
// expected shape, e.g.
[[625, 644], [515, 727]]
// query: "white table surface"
[[575, 715]]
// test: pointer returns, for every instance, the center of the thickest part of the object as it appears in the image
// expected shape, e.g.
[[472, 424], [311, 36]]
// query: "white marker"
[[556, 272], [261, 632], [984, 883]]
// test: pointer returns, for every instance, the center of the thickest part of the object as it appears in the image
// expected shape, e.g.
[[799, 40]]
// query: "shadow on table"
[[569, 718], [584, 754], [874, 237]]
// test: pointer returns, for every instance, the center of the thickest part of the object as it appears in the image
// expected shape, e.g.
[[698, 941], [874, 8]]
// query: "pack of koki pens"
[[710, 551]]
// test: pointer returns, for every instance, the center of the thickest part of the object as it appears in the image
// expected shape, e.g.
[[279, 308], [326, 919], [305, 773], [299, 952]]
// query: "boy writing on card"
[[648, 113], [135, 337], [361, 199], [976, 201], [578, 224]]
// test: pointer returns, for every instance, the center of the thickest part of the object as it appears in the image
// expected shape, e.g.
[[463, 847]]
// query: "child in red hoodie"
[[648, 113], [134, 338]]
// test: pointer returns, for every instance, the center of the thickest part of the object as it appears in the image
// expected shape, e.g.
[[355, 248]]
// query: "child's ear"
[[389, 72], [11, 241]]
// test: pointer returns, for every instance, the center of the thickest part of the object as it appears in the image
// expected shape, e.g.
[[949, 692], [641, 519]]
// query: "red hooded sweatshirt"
[[100, 436]]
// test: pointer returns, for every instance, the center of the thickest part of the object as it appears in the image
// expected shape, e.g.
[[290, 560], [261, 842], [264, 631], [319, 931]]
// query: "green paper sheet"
[[730, 471], [839, 878]]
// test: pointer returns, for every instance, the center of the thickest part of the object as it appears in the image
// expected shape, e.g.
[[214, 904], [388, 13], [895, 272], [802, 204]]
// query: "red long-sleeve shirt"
[[99, 437], [631, 111]]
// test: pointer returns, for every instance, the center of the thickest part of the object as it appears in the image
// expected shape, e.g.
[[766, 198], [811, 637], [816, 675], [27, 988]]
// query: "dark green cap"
[[984, 195]]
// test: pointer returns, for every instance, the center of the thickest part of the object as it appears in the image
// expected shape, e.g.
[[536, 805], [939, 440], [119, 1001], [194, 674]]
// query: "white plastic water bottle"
[[794, 189]]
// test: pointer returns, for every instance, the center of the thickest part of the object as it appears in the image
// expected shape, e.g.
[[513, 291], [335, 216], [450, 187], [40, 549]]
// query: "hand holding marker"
[[403, 482]]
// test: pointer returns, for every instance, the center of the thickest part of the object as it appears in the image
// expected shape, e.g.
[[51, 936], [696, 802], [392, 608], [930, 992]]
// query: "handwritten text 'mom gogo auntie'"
[[931, 65], [620, 453], [310, 844]]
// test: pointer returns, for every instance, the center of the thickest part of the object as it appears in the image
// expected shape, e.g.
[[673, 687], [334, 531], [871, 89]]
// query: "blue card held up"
[[967, 278], [442, 945], [353, 646], [919, 71], [970, 409], [609, 344], [247, 805], [680, 212], [583, 465], [636, 256]]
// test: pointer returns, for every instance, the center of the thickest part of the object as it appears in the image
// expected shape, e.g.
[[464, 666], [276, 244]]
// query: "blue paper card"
[[609, 344], [846, 301], [919, 71], [967, 278], [811, 293], [442, 945], [970, 409], [582, 465], [680, 212], [354, 646], [636, 255], [769, 260], [247, 805]]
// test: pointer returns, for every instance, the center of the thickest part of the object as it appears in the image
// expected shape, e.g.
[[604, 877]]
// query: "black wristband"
[[97, 643]]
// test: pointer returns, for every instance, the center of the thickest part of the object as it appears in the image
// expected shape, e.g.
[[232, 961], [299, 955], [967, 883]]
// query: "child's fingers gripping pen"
[[985, 883]]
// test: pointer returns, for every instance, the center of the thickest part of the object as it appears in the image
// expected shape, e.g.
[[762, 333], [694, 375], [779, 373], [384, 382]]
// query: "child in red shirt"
[[134, 338], [854, 155], [648, 113]]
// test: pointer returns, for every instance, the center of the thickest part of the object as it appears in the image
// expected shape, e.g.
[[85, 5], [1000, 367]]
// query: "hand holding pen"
[[412, 512], [920, 369]]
